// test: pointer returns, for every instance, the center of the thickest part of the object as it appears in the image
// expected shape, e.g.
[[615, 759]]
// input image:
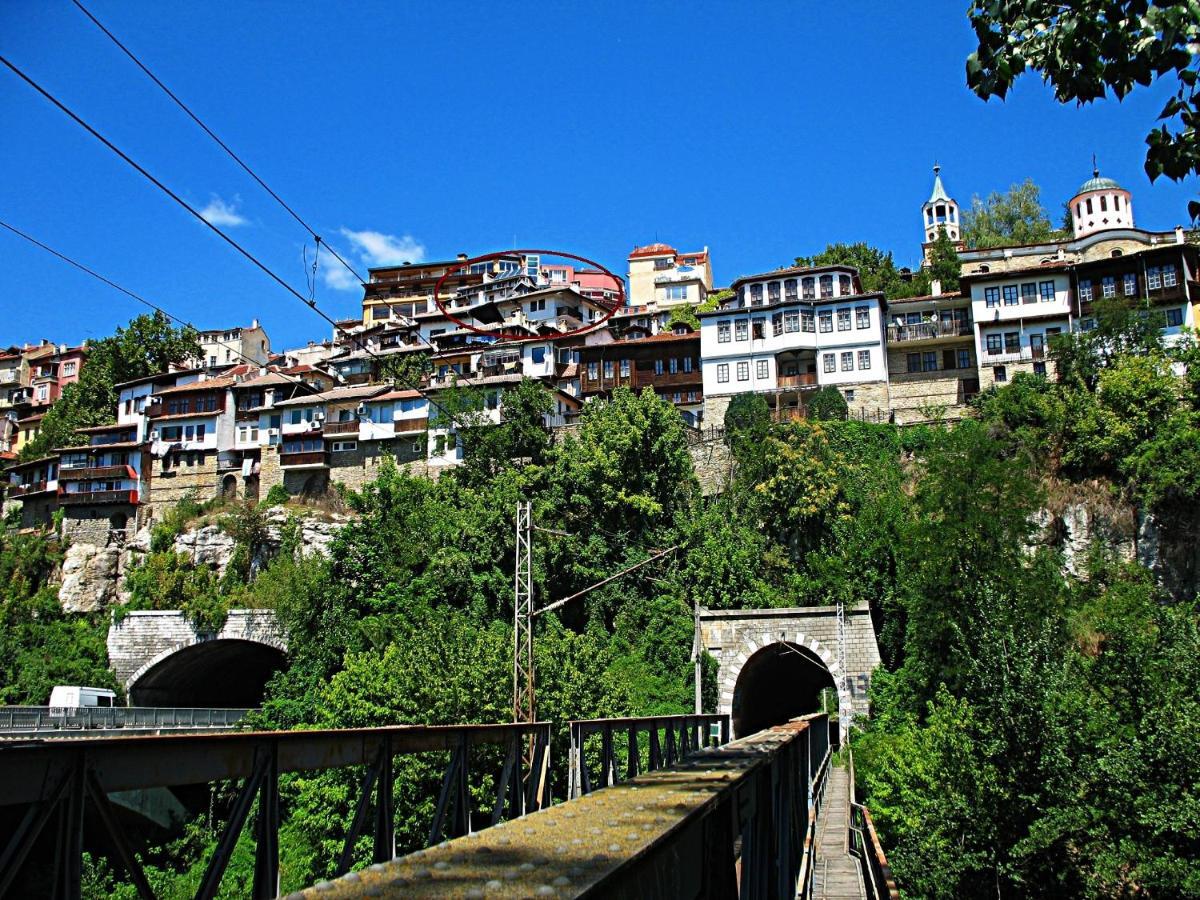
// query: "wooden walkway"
[[836, 875]]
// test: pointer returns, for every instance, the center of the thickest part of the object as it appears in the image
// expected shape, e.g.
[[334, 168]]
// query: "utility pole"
[[697, 652], [523, 699], [845, 715]]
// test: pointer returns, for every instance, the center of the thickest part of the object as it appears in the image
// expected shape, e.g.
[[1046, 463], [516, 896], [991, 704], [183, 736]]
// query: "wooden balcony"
[[928, 331], [409, 426], [25, 490], [312, 460], [89, 473], [80, 498], [786, 382], [341, 427]]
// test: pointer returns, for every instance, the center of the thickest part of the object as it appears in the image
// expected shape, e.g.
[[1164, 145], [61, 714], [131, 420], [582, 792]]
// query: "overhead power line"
[[565, 600], [124, 290], [237, 159]]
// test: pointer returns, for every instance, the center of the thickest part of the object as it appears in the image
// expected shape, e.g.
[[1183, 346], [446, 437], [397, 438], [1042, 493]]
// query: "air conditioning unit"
[[362, 410], [319, 417], [153, 435], [314, 425], [272, 432]]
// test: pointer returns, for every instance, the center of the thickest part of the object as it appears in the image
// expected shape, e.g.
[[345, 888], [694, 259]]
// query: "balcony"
[[786, 382], [928, 331], [341, 427], [409, 426], [80, 498], [28, 489], [1025, 354], [90, 473], [315, 459]]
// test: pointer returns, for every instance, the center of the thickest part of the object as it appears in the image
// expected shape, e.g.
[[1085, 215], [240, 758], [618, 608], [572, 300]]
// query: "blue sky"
[[418, 130]]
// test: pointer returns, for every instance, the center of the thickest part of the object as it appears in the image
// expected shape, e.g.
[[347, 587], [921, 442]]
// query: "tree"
[[405, 370], [1015, 217], [944, 265], [148, 345], [1086, 48], [827, 404], [683, 315]]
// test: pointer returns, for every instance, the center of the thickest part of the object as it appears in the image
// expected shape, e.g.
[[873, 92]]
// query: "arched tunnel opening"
[[778, 683], [220, 673]]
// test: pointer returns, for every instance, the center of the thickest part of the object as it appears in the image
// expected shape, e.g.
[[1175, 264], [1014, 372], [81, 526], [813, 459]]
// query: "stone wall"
[[915, 395], [145, 638], [871, 400], [987, 371], [714, 409], [94, 524], [713, 463], [733, 636], [191, 473]]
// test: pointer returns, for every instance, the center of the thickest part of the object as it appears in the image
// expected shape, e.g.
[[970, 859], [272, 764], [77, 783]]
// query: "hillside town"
[[243, 418]]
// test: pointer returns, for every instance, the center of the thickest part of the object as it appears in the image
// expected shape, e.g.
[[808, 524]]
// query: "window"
[[492, 400], [722, 332], [1088, 202], [1085, 290], [1010, 295], [760, 329], [1153, 278], [864, 359], [608, 368], [1029, 292], [723, 372], [43, 392], [826, 318], [743, 371], [809, 286], [848, 361], [538, 355], [691, 396], [625, 368], [1087, 324], [994, 344], [1039, 368], [773, 291], [964, 359], [830, 362], [862, 317], [1108, 286], [807, 320], [1103, 204], [826, 285], [1168, 276], [991, 296], [1047, 289], [1012, 342], [1130, 284], [999, 373], [756, 295], [171, 433], [850, 396], [68, 368], [677, 397], [674, 367], [688, 364], [741, 329], [914, 362], [676, 291], [777, 324], [1174, 317], [212, 360], [593, 370], [929, 361], [843, 317], [537, 305], [761, 369], [343, 446], [789, 289], [844, 288]]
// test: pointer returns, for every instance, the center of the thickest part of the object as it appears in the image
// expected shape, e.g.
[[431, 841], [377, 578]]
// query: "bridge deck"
[[836, 875]]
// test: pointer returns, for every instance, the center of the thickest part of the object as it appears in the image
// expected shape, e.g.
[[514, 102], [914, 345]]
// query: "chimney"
[[253, 324], [1179, 234], [462, 257], [935, 287]]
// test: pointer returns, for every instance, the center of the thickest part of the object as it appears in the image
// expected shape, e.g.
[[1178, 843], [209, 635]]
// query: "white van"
[[72, 697]]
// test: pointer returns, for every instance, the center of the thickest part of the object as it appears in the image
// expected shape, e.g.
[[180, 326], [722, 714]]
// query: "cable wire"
[[124, 290], [237, 159]]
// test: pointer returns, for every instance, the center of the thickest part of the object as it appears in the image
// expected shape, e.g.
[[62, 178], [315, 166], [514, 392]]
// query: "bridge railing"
[[668, 739], [866, 848], [821, 740], [62, 777], [92, 718]]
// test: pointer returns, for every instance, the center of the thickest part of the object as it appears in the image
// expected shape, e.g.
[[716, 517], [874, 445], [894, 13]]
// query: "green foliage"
[[944, 265], [827, 404], [683, 315], [405, 370], [876, 269], [1090, 47], [747, 419], [146, 346], [277, 496], [1015, 217]]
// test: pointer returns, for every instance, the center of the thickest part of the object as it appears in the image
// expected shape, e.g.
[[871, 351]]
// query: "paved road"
[[836, 874]]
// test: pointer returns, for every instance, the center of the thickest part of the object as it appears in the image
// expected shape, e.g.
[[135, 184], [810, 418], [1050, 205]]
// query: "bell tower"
[[939, 213]]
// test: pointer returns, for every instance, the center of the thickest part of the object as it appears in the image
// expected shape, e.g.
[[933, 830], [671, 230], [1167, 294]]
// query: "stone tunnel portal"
[[779, 682], [217, 673]]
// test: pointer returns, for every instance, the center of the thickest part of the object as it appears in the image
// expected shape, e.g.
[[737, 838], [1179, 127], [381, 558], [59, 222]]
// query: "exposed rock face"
[[92, 575], [89, 577]]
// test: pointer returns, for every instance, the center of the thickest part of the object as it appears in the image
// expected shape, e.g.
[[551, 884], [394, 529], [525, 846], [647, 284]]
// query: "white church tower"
[[939, 213], [1100, 204]]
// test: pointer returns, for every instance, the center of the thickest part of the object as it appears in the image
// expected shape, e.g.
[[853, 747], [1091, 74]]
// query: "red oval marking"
[[462, 267]]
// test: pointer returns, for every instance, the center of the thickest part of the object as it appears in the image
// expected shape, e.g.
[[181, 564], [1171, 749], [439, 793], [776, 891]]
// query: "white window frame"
[[722, 373]]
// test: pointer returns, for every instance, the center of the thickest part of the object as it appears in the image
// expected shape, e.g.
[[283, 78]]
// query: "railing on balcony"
[[928, 331], [312, 458], [23, 490], [808, 379], [87, 473], [341, 427], [403, 426], [78, 498]]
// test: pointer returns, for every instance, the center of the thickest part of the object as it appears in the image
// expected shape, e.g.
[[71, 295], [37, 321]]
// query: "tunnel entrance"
[[779, 682], [219, 673]]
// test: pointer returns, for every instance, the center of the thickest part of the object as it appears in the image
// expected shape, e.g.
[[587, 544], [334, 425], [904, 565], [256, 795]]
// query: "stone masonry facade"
[[733, 636]]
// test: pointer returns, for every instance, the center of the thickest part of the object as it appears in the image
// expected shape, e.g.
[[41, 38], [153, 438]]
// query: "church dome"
[[1096, 183]]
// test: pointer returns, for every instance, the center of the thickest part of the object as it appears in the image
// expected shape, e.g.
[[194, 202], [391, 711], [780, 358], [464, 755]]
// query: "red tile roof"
[[222, 381], [663, 338], [653, 250]]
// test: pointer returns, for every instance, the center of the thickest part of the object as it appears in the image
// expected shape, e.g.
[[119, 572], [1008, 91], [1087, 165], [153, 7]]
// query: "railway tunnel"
[[778, 682], [215, 673]]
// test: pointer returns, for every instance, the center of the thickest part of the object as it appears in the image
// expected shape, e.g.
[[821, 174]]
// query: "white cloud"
[[218, 212], [372, 248]]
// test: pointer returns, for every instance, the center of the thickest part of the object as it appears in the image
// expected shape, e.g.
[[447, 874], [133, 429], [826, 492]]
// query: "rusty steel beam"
[[673, 833]]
